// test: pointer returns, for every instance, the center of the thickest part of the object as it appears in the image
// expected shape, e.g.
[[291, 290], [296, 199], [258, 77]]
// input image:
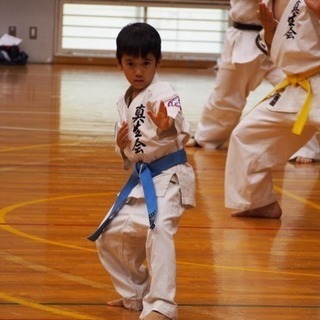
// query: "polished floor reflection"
[[59, 174]]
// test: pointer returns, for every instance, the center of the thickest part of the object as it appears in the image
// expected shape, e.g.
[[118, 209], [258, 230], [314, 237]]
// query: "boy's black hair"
[[138, 39]]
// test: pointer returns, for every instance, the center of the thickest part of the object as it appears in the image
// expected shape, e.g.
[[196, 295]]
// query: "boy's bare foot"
[[154, 315], [135, 306], [270, 211], [116, 303]]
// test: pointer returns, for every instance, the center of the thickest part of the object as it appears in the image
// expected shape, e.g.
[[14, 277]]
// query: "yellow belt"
[[300, 79]]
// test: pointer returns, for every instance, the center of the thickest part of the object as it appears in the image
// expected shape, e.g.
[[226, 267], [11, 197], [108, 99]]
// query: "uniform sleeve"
[[165, 92]]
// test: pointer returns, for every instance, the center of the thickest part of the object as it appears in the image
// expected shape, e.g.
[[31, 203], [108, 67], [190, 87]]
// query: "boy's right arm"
[[122, 136], [122, 141]]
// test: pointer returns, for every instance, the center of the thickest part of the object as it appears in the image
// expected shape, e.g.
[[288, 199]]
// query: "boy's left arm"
[[314, 6]]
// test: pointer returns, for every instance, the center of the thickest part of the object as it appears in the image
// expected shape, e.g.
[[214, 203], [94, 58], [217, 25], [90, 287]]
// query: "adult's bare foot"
[[303, 160], [270, 211], [192, 143], [116, 303]]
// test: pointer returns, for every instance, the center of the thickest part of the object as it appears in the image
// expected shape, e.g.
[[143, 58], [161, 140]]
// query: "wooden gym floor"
[[59, 174]]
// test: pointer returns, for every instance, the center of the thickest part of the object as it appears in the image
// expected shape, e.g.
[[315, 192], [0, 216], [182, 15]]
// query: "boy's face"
[[139, 71]]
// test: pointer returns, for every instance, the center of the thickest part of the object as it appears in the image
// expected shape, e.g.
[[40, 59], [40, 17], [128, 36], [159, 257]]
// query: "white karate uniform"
[[128, 241], [264, 139], [242, 69]]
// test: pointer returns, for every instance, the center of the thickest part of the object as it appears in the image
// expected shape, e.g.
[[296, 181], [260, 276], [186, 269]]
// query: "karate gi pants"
[[261, 141], [223, 109], [310, 150], [128, 242]]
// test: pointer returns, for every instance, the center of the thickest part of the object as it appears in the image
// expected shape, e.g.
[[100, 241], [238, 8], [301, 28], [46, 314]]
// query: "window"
[[88, 28]]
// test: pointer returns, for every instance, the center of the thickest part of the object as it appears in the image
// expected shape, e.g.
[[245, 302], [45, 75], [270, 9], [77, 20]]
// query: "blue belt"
[[143, 172]]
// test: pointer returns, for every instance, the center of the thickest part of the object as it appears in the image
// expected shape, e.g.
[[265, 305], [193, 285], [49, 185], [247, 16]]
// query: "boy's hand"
[[122, 136], [161, 119]]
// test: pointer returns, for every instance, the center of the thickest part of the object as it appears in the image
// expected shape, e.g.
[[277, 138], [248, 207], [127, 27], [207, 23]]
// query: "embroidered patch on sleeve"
[[174, 102]]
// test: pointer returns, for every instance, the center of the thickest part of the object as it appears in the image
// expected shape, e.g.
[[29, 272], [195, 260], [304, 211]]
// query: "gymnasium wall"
[[24, 14]]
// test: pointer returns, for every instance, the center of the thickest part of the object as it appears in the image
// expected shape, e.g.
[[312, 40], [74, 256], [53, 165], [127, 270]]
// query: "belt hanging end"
[[296, 130], [152, 219]]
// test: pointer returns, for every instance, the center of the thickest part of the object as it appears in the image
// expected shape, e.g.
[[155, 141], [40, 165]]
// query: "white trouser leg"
[[310, 150], [223, 109], [262, 140], [122, 253], [161, 256], [128, 242]]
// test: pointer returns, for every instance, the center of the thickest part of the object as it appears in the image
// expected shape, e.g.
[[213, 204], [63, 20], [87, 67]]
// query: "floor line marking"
[[296, 197], [42, 307], [40, 268], [37, 146], [4, 211], [17, 232], [314, 275]]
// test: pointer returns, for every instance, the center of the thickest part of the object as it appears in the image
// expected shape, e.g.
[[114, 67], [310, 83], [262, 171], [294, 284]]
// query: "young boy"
[[150, 137], [286, 120]]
